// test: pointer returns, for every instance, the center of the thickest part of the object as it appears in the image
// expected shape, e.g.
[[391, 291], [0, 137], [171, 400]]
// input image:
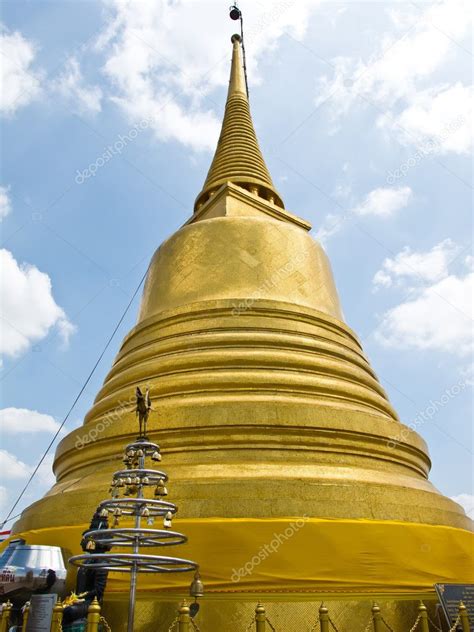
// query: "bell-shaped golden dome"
[[270, 417]]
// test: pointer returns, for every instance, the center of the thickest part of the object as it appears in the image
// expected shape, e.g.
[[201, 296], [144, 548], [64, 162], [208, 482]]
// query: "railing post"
[[260, 618], [423, 614], [26, 614], [184, 619], [377, 618], [324, 618], [5, 620], [57, 617], [93, 616], [464, 618]]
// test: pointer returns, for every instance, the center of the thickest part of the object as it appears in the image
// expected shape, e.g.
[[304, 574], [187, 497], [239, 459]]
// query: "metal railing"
[[259, 623], [94, 618], [377, 623]]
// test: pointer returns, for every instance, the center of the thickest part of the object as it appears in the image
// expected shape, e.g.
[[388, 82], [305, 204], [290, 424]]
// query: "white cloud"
[[71, 85], [381, 202], [5, 202], [29, 310], [342, 191], [439, 120], [331, 226], [438, 313], [16, 472], [402, 61], [161, 67], [20, 82], [466, 501], [399, 71], [12, 468], [23, 421], [440, 319], [382, 279], [384, 201], [418, 266]]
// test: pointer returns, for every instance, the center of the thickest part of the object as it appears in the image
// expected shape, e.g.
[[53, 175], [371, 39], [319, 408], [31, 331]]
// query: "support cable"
[[243, 54], [35, 471]]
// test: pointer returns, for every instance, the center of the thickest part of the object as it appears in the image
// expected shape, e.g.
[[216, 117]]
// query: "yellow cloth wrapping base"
[[298, 554]]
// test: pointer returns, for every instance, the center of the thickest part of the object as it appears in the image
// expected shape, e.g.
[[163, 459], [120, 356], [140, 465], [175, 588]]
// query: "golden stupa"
[[293, 477]]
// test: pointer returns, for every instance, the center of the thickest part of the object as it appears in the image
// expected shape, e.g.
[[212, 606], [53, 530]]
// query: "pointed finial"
[[238, 158], [237, 78], [94, 607]]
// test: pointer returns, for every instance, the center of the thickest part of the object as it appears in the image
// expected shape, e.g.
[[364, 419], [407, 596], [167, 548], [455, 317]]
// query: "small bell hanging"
[[104, 513], [145, 512], [145, 480], [140, 452], [197, 587], [167, 520], [90, 546], [161, 489], [156, 456]]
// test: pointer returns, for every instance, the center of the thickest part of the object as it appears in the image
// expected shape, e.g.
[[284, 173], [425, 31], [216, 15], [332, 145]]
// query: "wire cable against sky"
[[51, 443]]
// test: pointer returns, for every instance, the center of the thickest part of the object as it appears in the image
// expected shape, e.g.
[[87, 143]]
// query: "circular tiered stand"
[[129, 490]]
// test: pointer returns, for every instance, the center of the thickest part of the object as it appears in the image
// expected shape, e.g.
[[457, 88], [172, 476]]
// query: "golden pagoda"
[[294, 477]]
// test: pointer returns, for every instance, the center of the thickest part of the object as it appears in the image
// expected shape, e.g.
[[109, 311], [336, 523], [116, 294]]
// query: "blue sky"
[[363, 113]]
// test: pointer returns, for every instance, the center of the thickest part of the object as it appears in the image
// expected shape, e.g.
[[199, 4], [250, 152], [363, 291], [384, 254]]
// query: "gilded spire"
[[238, 158], [237, 79]]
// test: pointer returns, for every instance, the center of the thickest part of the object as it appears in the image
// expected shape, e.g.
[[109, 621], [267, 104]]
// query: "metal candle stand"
[[134, 504]]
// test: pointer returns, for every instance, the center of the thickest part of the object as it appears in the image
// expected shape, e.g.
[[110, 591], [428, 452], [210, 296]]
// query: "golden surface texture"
[[244, 260], [231, 200], [238, 157], [267, 410], [261, 392], [294, 613]]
